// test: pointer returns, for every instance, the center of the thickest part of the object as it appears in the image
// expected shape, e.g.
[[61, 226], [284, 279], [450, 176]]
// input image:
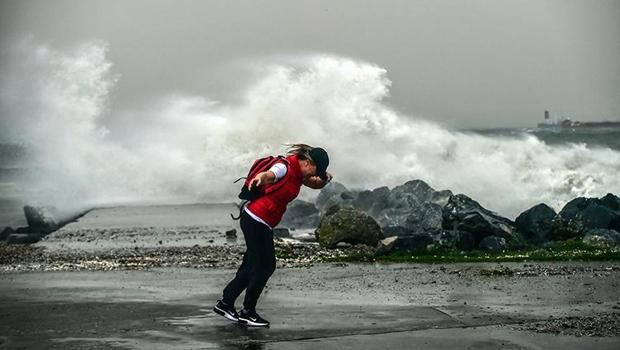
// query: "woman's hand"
[[266, 177], [316, 182]]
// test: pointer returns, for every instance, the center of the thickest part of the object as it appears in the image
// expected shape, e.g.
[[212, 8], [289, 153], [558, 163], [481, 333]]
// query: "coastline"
[[159, 290]]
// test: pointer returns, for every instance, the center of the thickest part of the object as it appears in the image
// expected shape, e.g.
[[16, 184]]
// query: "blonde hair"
[[301, 150]]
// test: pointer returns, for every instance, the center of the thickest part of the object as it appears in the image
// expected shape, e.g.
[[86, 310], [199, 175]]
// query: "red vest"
[[271, 207]]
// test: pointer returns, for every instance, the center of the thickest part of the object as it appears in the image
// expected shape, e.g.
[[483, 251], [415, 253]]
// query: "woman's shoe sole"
[[252, 323]]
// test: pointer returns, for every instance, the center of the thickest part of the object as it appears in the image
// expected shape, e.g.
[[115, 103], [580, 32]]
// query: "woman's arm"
[[264, 178], [275, 173]]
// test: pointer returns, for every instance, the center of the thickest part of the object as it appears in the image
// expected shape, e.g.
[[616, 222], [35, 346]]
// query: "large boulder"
[[414, 205], [536, 223], [428, 216], [333, 193], [415, 192], [373, 202], [594, 213], [301, 214], [348, 225], [465, 214]]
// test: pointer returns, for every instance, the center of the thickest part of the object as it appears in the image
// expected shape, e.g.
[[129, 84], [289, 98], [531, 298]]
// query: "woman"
[[306, 166]]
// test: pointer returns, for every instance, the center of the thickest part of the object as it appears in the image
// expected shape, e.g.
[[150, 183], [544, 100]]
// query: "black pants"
[[259, 263]]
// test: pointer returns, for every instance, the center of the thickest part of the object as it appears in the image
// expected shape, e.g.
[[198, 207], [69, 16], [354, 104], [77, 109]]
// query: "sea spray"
[[190, 148]]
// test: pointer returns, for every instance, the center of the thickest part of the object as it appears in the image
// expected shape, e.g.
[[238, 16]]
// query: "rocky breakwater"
[[416, 217], [42, 220], [594, 220]]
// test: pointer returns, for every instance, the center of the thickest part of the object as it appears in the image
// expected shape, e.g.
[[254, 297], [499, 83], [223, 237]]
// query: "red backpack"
[[260, 165]]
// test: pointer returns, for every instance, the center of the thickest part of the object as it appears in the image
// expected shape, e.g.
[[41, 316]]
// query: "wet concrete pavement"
[[327, 306]]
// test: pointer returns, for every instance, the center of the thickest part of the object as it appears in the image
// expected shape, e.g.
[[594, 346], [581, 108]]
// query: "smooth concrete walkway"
[[171, 308]]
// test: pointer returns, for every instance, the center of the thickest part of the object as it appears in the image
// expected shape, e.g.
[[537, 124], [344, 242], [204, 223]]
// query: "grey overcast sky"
[[487, 63]]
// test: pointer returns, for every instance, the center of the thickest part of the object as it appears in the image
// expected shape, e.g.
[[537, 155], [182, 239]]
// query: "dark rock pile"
[[414, 216], [586, 217], [596, 220], [421, 217]]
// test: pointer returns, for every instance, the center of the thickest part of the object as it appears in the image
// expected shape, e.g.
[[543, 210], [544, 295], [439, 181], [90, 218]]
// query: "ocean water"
[[63, 142], [590, 138]]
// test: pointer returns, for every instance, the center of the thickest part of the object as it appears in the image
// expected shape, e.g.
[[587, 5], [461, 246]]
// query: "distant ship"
[[567, 124]]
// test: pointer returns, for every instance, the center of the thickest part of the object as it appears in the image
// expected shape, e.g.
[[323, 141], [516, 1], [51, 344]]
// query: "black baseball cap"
[[321, 160]]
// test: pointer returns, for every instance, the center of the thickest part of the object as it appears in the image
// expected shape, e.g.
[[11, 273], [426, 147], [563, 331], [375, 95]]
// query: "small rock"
[[386, 245], [231, 233]]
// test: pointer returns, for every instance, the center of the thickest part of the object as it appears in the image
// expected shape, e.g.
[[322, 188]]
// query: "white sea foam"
[[191, 148]]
